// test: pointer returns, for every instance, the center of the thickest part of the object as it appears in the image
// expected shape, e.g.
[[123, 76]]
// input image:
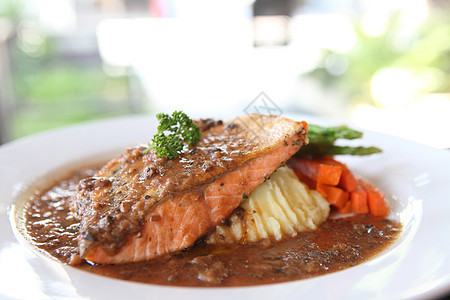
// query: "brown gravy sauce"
[[336, 245]]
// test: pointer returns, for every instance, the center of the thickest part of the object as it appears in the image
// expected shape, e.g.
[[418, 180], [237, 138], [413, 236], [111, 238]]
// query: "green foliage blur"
[[425, 51], [51, 90], [64, 94]]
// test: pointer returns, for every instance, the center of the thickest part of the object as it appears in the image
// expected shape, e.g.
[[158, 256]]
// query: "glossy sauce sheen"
[[336, 245]]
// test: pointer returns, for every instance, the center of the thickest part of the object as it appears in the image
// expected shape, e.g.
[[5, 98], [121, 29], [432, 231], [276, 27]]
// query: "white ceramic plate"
[[415, 178]]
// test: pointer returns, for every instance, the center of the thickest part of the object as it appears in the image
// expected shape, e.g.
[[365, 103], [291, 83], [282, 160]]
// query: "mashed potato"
[[280, 207]]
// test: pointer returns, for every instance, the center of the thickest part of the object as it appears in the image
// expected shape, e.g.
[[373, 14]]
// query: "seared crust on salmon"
[[140, 206]]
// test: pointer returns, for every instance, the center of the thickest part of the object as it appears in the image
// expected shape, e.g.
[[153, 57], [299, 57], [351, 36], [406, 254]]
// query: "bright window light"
[[393, 87]]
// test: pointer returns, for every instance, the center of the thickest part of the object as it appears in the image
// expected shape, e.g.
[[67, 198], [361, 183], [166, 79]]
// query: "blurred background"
[[380, 65]]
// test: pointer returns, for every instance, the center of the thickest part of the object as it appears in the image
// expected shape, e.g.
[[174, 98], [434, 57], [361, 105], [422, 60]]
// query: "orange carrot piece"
[[320, 172], [347, 181], [339, 186], [322, 190], [329, 174], [358, 199], [346, 209], [334, 195], [375, 199]]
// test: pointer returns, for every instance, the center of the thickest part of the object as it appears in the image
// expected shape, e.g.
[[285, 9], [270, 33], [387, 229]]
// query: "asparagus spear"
[[321, 142], [328, 135]]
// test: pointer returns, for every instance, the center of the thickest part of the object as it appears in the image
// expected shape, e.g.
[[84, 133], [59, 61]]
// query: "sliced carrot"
[[347, 180], [375, 199], [321, 188], [334, 195], [329, 174], [339, 186], [358, 199], [320, 172], [346, 209]]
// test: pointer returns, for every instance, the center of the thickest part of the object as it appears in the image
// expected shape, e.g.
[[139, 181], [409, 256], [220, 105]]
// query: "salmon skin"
[[139, 206]]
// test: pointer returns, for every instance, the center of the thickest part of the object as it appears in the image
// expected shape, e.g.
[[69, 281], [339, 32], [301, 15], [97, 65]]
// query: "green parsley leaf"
[[173, 132]]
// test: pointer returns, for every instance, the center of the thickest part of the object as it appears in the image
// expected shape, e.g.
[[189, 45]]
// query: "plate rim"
[[440, 289]]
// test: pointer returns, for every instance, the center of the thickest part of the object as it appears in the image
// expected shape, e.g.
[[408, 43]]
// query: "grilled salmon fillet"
[[139, 206]]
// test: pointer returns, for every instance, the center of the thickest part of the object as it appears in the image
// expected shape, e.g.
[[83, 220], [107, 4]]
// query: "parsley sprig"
[[173, 132]]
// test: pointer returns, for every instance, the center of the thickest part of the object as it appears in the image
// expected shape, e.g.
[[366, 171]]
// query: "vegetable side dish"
[[212, 203]]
